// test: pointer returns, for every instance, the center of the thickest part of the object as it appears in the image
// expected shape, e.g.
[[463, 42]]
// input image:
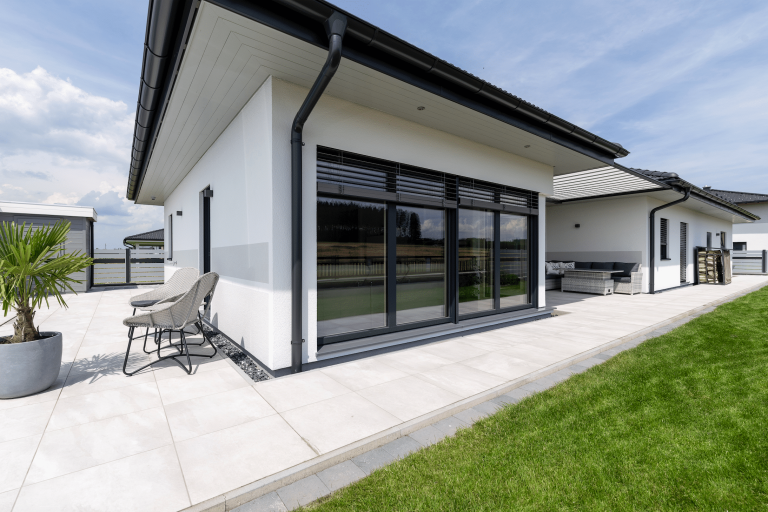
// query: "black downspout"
[[335, 26], [651, 284]]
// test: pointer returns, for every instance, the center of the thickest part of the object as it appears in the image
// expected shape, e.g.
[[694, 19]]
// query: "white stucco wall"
[[238, 169], [756, 233], [248, 168], [617, 230]]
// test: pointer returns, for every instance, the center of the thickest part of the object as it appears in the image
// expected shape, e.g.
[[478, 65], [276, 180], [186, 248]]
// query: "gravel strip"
[[237, 356]]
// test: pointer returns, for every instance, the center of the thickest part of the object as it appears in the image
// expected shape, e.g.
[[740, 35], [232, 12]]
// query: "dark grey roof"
[[656, 174], [157, 235], [739, 197], [170, 22]]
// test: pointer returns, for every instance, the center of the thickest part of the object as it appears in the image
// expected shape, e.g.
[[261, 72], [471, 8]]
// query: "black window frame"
[[664, 239], [170, 238], [454, 198]]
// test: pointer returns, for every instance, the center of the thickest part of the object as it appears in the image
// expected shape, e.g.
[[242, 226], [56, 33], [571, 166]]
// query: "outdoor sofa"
[[630, 280]]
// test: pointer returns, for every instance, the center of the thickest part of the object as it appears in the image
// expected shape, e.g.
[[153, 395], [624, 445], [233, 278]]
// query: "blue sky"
[[680, 84]]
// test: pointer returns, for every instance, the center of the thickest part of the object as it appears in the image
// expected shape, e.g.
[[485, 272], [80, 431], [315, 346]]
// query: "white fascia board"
[[52, 210]]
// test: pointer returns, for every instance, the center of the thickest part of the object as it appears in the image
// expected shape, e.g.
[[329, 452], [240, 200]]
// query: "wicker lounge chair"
[[177, 285], [173, 317]]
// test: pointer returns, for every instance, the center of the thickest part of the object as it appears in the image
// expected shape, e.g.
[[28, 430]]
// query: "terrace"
[[165, 441]]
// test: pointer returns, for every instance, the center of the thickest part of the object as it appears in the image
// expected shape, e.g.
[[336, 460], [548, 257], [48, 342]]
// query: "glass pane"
[[514, 260], [475, 261], [351, 250], [421, 284]]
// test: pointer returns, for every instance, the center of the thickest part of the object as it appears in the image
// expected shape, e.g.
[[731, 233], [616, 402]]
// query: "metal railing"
[[750, 262], [127, 266]]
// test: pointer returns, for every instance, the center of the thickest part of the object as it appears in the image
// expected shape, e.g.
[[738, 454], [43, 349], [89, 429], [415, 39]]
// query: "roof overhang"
[[608, 181], [51, 210], [224, 50]]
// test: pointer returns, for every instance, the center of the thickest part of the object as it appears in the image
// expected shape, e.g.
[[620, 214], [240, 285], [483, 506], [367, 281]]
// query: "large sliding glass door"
[[400, 247], [514, 285], [421, 283], [476, 259], [351, 266]]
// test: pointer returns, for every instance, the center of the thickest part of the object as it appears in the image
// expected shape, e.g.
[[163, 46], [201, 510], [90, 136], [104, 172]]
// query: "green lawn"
[[681, 422]]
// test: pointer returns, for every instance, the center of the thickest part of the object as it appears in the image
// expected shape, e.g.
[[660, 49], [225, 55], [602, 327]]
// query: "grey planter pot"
[[30, 367]]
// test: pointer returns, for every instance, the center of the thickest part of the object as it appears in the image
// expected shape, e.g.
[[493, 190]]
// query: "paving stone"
[[604, 356], [373, 460], [401, 447], [503, 400], [470, 416], [427, 436], [577, 368], [487, 408], [268, 503], [450, 425], [592, 361], [341, 475], [534, 387], [520, 393], [303, 492]]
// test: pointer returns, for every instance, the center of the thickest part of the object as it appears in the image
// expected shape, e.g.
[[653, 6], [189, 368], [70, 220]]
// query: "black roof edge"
[[172, 20], [702, 195]]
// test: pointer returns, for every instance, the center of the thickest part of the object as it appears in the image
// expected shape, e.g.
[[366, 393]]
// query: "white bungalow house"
[[352, 191], [653, 218], [748, 237]]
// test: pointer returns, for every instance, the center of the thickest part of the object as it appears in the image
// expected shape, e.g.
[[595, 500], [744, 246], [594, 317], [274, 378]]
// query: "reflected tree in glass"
[[514, 260], [476, 257], [421, 280], [351, 266]]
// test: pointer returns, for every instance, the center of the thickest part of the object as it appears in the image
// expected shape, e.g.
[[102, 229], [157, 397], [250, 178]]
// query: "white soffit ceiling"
[[602, 181], [229, 57]]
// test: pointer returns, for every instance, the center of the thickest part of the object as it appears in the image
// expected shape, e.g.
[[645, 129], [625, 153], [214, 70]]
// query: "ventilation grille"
[[346, 173]]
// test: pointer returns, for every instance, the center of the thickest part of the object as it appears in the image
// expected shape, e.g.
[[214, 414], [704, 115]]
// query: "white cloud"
[[61, 144]]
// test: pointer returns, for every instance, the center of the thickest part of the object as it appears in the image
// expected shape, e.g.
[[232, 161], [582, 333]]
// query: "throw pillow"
[[551, 270]]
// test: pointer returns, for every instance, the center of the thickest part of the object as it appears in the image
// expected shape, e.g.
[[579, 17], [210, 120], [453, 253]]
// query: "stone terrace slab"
[[165, 441]]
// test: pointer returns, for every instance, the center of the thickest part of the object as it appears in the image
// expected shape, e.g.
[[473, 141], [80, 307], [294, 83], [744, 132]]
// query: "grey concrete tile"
[[427, 436], [373, 460], [268, 503], [401, 447], [341, 475], [303, 492], [604, 356], [470, 416], [592, 361], [534, 386], [450, 425], [577, 368], [487, 408], [503, 400], [520, 393]]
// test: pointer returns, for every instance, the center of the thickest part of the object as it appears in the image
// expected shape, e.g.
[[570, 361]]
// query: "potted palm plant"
[[33, 268]]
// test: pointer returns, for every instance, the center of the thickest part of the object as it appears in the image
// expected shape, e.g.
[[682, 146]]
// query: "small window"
[[739, 246], [170, 237], [722, 239], [664, 238]]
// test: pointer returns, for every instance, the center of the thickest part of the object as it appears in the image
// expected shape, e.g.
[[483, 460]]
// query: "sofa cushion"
[[567, 265], [622, 279], [626, 269], [552, 268], [602, 265], [583, 265]]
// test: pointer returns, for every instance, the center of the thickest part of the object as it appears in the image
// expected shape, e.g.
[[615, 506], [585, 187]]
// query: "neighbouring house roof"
[[170, 24], [739, 197], [50, 210], [156, 237], [611, 181]]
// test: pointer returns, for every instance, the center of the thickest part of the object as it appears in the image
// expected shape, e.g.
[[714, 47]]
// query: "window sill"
[[666, 259]]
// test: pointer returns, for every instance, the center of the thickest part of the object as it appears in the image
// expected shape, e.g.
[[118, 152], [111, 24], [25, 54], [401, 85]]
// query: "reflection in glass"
[[514, 260], [351, 270], [475, 261], [421, 284]]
